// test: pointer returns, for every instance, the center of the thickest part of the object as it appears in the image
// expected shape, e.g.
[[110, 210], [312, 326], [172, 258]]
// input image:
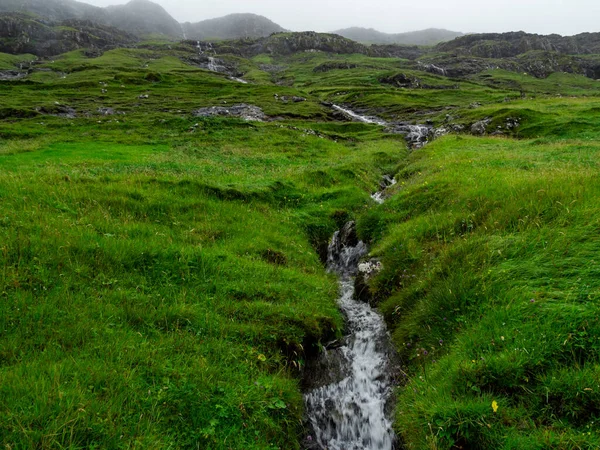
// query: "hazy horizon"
[[538, 16]]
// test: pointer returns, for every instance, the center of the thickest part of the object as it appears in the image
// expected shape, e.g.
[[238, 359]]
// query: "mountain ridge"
[[429, 36]]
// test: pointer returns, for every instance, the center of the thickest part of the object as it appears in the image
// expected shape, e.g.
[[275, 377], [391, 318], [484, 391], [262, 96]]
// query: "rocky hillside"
[[140, 17], [233, 26], [506, 45], [20, 33], [55, 10], [281, 44], [430, 36]]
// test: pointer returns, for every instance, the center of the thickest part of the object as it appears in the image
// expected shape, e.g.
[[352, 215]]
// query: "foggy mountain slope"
[[140, 17], [21, 34], [430, 36], [233, 26], [55, 10], [143, 17]]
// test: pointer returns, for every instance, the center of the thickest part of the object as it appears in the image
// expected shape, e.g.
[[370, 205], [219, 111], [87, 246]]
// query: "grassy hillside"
[[491, 284], [160, 275]]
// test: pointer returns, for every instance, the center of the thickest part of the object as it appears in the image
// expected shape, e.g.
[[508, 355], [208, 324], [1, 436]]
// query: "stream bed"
[[351, 408]]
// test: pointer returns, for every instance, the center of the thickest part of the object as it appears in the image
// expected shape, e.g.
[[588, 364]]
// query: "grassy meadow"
[[161, 274]]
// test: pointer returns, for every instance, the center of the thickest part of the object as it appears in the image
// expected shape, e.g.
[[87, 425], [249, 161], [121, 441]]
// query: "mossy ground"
[[160, 277]]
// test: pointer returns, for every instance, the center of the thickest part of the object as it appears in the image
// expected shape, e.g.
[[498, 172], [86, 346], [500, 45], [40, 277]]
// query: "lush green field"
[[160, 274]]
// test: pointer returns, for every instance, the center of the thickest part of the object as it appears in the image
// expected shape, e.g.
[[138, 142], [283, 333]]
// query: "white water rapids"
[[351, 414]]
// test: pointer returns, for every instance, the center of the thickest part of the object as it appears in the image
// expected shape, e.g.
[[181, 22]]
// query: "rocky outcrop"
[[242, 111], [506, 45], [334, 65], [20, 34]]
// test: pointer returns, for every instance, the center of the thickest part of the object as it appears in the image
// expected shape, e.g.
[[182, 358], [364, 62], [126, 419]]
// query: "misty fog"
[[534, 16]]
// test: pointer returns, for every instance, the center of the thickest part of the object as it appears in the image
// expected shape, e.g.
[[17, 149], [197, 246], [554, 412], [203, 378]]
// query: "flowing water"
[[350, 414], [358, 117], [387, 182], [416, 135]]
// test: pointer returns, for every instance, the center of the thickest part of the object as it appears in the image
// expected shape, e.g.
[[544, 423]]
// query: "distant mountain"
[[430, 36], [233, 26], [143, 17]]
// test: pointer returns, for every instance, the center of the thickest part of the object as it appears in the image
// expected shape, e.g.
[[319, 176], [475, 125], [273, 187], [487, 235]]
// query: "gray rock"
[[12, 75], [480, 128], [243, 111], [366, 271]]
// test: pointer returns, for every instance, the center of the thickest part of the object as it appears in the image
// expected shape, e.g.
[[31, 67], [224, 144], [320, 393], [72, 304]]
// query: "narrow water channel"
[[351, 413]]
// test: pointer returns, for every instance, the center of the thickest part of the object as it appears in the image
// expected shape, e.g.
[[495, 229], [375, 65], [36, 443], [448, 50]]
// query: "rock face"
[[506, 45], [19, 34], [233, 26], [480, 128], [139, 17], [366, 271], [242, 111]]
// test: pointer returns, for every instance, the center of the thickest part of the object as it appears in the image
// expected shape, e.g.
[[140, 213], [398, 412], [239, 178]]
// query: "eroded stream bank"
[[348, 403], [349, 386]]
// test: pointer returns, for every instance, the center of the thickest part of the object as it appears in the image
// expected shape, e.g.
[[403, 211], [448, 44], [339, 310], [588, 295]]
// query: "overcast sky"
[[565, 17]]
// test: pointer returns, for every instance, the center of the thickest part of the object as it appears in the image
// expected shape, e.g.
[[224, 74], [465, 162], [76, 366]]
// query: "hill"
[[233, 26], [55, 10], [22, 33], [139, 17], [143, 17], [506, 45], [429, 36], [162, 279]]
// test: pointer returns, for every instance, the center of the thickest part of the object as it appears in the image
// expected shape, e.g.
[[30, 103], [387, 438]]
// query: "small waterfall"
[[386, 183], [363, 119], [183, 33], [212, 65], [416, 135], [350, 414]]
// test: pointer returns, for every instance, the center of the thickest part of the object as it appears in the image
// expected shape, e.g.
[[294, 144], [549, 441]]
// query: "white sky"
[[565, 17]]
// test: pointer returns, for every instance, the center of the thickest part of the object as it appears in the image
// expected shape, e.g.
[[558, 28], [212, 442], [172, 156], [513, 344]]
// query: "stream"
[[351, 410], [415, 135]]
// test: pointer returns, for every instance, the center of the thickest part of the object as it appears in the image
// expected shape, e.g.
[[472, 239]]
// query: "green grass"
[[160, 275], [491, 287]]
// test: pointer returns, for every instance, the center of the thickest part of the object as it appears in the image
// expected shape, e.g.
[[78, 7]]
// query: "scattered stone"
[[402, 81], [144, 96], [475, 105], [243, 111], [480, 128], [106, 111], [66, 112], [9, 75], [298, 99], [416, 135], [326, 67], [366, 271], [512, 123]]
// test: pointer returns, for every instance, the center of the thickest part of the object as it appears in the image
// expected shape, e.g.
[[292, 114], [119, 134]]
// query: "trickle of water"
[[351, 414], [363, 119], [387, 182]]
